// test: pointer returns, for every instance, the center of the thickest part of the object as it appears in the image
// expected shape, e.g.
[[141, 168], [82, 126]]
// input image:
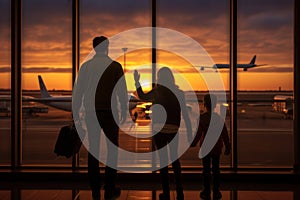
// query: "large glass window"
[[5, 91], [265, 70], [207, 23], [46, 51], [265, 83]]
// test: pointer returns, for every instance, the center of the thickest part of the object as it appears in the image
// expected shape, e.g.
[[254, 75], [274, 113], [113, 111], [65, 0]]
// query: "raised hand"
[[136, 76]]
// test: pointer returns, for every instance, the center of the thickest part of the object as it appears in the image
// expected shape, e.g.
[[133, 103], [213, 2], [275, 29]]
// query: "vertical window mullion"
[[296, 86], [233, 81], [153, 41], [75, 57], [16, 91]]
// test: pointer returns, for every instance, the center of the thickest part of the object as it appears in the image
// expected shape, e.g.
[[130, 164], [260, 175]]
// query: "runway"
[[265, 138]]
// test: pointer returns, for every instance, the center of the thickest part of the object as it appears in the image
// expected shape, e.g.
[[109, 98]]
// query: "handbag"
[[68, 142]]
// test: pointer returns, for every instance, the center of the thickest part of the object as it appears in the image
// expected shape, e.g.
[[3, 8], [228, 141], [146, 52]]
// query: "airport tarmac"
[[265, 138]]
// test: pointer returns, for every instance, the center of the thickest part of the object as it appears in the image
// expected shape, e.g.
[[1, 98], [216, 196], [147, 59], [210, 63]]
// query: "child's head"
[[210, 101]]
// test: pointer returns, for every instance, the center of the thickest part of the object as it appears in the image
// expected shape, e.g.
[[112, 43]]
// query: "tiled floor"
[[145, 191], [33, 194]]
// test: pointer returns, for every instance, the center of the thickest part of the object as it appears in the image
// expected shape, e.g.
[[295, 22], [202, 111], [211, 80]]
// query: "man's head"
[[100, 44], [210, 101]]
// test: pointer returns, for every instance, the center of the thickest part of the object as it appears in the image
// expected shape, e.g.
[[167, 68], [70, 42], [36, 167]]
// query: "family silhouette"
[[168, 107]]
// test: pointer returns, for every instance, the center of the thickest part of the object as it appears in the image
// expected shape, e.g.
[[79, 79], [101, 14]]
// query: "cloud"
[[38, 70], [272, 69], [253, 7], [265, 27]]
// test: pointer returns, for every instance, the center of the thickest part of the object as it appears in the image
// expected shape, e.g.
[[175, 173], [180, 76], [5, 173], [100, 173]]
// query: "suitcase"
[[68, 142]]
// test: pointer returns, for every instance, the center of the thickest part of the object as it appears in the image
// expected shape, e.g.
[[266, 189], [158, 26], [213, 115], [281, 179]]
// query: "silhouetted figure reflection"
[[166, 94], [213, 157]]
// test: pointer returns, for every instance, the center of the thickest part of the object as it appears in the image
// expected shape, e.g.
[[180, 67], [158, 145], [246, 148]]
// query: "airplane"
[[245, 67], [30, 108], [136, 107], [65, 102], [59, 102]]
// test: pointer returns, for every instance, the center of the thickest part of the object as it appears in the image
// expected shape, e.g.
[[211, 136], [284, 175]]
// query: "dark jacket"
[[166, 98], [101, 74], [204, 123], [105, 95]]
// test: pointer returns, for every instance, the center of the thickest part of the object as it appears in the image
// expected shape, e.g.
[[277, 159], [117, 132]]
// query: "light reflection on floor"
[[127, 194]]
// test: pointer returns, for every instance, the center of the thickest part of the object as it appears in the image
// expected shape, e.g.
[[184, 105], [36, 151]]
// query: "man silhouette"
[[111, 90]]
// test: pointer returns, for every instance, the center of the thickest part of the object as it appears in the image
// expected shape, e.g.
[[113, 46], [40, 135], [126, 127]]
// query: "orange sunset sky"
[[265, 29]]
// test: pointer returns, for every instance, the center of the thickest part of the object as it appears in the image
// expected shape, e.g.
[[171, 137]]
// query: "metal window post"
[[296, 87], [153, 60], [153, 41], [16, 87], [233, 81], [75, 57]]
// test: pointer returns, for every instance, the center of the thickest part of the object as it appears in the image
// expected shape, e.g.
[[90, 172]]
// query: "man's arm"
[[78, 92], [122, 93], [77, 99]]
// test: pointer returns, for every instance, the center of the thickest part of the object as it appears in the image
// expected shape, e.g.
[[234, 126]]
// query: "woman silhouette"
[[166, 94]]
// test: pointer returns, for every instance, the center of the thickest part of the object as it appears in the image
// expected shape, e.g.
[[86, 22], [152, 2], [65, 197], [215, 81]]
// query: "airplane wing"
[[51, 99], [8, 98]]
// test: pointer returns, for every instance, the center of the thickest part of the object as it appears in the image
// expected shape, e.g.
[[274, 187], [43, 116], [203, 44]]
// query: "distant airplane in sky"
[[245, 67]]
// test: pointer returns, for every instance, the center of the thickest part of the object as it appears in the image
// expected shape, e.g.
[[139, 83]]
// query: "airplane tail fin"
[[253, 60], [43, 89]]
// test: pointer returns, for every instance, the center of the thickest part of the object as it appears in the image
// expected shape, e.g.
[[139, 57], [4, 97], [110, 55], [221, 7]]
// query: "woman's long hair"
[[165, 77]]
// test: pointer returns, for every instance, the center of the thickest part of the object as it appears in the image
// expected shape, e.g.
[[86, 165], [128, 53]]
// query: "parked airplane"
[[65, 102], [59, 102], [245, 67], [28, 108]]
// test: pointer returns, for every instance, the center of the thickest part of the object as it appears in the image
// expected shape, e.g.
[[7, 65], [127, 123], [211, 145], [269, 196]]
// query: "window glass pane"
[[111, 18], [265, 92], [5, 89], [46, 51], [207, 23]]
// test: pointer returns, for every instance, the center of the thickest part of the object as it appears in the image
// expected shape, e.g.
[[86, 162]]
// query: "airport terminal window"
[[211, 31], [110, 18], [46, 51], [265, 92], [5, 91]]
